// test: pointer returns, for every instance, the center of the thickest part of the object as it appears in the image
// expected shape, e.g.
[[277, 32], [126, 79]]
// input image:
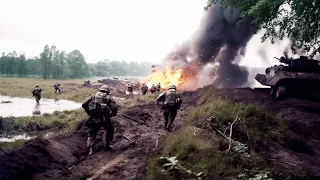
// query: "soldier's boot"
[[90, 151], [166, 124], [90, 142], [108, 138]]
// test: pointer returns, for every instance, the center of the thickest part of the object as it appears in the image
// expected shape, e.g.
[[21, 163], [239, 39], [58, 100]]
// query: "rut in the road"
[[145, 130], [108, 164]]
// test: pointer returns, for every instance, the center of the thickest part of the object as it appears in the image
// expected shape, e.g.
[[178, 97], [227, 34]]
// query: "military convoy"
[[300, 76]]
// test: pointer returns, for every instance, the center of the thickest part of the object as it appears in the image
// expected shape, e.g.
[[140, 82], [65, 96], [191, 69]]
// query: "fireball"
[[167, 77]]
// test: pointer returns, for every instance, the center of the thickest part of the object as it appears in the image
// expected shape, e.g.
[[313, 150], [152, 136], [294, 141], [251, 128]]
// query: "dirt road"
[[65, 156]]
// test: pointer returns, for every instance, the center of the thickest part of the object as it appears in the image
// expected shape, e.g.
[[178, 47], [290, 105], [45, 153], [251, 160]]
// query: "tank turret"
[[294, 74]]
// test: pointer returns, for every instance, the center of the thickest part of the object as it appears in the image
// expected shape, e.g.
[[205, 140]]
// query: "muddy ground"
[[65, 157]]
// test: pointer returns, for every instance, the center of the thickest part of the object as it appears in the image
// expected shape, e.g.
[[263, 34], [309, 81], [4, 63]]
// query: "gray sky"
[[139, 30]]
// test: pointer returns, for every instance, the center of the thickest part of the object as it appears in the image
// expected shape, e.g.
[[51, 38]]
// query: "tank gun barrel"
[[277, 58]]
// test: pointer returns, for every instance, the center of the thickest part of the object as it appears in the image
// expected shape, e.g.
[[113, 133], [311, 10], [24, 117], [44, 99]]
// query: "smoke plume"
[[219, 42]]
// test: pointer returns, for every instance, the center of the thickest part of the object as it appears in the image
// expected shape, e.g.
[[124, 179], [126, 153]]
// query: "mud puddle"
[[28, 106], [13, 138]]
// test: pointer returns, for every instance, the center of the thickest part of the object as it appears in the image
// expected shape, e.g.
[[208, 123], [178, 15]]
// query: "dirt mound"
[[52, 156], [65, 156], [138, 113], [302, 151]]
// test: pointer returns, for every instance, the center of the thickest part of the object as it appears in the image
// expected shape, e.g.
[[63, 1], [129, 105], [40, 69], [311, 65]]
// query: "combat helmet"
[[37, 85], [172, 86], [105, 88]]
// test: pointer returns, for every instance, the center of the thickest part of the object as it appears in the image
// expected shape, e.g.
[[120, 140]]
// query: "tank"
[[299, 76]]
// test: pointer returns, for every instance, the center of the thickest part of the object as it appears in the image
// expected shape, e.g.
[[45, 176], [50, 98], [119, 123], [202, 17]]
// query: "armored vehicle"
[[300, 76]]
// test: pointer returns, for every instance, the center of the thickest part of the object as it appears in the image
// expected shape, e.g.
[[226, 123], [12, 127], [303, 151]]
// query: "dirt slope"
[[64, 157], [302, 117]]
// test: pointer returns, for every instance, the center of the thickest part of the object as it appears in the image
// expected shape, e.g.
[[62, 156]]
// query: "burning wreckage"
[[300, 76]]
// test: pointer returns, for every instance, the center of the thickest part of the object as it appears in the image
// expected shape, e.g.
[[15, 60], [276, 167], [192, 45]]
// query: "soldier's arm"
[[86, 102], [114, 107], [161, 96], [179, 100]]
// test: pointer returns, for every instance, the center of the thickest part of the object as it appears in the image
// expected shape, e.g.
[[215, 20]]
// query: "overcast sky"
[[130, 30]]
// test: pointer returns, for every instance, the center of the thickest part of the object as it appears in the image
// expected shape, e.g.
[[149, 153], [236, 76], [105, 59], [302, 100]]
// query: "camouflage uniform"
[[144, 89], [36, 92], [158, 88], [130, 89], [171, 102], [103, 119], [153, 89], [56, 87]]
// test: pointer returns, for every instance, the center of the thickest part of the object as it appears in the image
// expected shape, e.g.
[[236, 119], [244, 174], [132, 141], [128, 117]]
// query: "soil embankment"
[[64, 157], [138, 132]]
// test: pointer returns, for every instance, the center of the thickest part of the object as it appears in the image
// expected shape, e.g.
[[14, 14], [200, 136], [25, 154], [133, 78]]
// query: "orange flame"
[[166, 78]]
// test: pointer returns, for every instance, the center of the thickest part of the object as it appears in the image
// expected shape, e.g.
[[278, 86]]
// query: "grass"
[[205, 152], [201, 153], [22, 87], [256, 122], [58, 121]]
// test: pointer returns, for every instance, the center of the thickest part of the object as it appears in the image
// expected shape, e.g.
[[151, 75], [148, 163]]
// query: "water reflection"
[[36, 110], [13, 138], [28, 106]]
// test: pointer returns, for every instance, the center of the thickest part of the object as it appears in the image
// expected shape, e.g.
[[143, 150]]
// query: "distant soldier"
[[100, 107], [36, 92], [153, 89], [56, 87], [158, 88], [144, 89], [137, 86], [171, 102], [130, 88]]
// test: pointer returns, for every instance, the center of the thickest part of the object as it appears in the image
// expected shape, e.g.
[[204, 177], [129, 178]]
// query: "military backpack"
[[172, 99], [99, 105]]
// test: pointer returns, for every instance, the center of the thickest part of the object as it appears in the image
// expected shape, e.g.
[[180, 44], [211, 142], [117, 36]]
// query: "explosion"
[[166, 77]]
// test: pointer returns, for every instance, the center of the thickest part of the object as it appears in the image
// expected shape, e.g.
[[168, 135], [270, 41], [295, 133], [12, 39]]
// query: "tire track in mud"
[[108, 164]]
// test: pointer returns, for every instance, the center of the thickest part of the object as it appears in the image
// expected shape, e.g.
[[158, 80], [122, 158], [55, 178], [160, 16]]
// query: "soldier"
[[130, 88], [153, 89], [144, 89], [36, 92], [158, 88], [56, 87], [100, 107], [171, 102]]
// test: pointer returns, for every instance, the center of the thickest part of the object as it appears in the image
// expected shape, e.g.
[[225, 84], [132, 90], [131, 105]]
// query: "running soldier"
[[56, 87], [36, 92], [153, 89], [144, 89], [130, 88], [171, 103], [100, 107], [158, 88]]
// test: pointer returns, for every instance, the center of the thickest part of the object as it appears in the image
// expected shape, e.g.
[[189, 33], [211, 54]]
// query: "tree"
[[21, 66], [77, 64], [53, 63], [297, 19], [44, 62]]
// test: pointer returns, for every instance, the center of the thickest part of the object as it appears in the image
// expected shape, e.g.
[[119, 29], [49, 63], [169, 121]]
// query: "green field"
[[22, 87]]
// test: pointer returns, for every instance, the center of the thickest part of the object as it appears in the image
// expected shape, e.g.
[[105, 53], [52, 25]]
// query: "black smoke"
[[218, 39]]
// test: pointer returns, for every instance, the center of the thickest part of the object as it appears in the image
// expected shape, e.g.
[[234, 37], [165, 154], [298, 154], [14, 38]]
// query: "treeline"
[[53, 63]]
